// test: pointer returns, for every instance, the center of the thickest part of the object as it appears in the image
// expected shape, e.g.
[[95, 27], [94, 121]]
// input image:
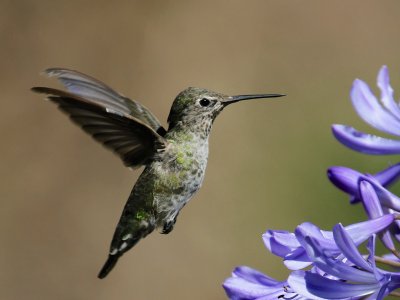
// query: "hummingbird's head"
[[202, 106], [195, 105]]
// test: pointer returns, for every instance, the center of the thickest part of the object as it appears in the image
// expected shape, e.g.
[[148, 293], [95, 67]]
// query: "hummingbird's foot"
[[168, 226]]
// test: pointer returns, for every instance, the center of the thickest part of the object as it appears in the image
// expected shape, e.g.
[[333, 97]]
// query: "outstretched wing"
[[135, 141], [90, 88]]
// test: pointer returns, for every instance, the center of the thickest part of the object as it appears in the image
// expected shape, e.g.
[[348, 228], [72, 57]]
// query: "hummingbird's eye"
[[205, 102]]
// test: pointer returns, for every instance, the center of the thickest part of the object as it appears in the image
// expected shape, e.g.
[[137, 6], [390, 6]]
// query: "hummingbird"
[[174, 160]]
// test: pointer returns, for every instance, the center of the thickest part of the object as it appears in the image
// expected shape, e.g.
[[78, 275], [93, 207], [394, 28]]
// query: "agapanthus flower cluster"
[[342, 263]]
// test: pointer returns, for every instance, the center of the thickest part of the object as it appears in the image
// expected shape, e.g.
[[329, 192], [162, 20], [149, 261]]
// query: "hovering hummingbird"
[[175, 159]]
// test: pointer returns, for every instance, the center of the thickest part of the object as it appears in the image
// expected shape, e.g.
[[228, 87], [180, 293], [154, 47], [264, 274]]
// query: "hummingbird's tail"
[[135, 224], [121, 245], [108, 266]]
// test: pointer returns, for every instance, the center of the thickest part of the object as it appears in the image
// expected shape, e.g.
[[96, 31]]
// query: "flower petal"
[[371, 111], [383, 83], [365, 143], [315, 286], [371, 257], [349, 248], [336, 267], [370, 200], [345, 179], [360, 232], [388, 176], [252, 275], [374, 210], [382, 292], [239, 288], [280, 242], [308, 229], [386, 198], [297, 260]]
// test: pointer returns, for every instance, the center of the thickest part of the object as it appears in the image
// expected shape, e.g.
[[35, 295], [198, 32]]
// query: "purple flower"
[[289, 245], [383, 115], [350, 276], [370, 191], [339, 270]]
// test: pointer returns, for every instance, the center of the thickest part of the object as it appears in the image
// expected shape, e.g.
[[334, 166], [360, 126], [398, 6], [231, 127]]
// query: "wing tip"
[[38, 89], [47, 91], [55, 72]]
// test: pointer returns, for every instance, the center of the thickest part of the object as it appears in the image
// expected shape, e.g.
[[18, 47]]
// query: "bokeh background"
[[62, 194]]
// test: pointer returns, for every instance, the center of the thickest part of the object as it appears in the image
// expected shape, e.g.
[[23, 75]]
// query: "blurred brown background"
[[62, 194]]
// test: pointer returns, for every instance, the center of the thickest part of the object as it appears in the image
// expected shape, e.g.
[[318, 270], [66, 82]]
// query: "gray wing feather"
[[132, 139], [90, 88]]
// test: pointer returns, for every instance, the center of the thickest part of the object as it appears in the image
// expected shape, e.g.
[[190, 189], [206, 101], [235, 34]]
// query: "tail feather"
[[124, 239], [108, 266], [113, 258]]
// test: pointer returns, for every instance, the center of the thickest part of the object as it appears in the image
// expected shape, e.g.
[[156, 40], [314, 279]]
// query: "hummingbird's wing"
[[90, 88], [135, 141]]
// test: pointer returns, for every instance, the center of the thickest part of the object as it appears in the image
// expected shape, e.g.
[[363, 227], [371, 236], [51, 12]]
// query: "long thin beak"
[[233, 99]]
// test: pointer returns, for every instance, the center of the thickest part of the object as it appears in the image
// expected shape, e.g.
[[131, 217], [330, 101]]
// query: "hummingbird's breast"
[[178, 175]]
